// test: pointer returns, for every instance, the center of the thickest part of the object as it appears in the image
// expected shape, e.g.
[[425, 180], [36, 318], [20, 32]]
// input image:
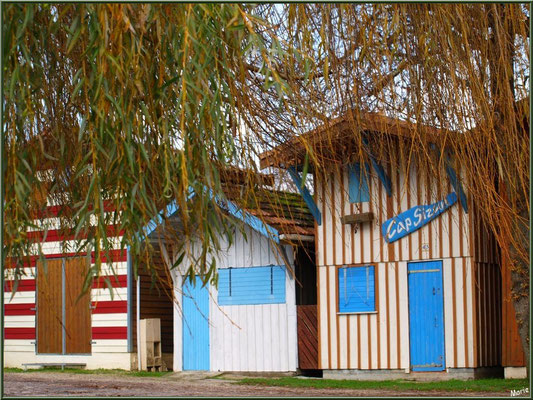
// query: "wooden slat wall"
[[307, 337], [77, 309], [50, 312], [488, 314], [488, 283], [381, 340], [156, 301], [258, 337], [446, 236], [512, 349]]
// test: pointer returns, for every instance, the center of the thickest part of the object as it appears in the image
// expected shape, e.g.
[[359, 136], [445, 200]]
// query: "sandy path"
[[65, 384]]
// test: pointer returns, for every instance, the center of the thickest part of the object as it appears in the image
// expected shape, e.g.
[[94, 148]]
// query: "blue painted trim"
[[304, 192], [356, 289], [358, 189], [129, 303], [251, 220], [195, 326], [426, 316], [382, 175], [457, 186], [415, 218], [251, 285]]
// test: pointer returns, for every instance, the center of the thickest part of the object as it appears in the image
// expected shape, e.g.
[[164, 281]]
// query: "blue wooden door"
[[195, 307], [426, 316]]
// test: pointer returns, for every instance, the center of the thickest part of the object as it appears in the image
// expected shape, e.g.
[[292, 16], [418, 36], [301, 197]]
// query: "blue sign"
[[415, 218]]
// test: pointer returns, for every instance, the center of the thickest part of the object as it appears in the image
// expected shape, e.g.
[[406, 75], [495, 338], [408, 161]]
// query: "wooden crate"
[[151, 357]]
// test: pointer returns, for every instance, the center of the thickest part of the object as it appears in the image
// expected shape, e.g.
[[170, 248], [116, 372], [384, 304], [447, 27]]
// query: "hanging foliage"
[[120, 109]]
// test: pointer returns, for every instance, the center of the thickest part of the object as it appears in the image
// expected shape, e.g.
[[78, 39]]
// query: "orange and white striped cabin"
[[389, 333]]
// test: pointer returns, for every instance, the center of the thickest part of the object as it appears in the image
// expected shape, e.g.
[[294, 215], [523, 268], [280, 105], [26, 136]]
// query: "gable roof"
[[336, 137], [277, 215], [285, 211]]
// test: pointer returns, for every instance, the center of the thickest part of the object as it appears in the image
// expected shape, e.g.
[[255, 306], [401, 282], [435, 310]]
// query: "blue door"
[[195, 308], [426, 316]]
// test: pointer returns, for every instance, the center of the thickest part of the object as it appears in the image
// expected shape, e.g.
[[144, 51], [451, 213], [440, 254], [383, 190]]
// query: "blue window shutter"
[[253, 285], [358, 184], [356, 291]]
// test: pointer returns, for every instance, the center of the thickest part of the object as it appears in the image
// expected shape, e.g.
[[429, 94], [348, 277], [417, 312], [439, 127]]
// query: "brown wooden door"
[[50, 310], [77, 307], [307, 336]]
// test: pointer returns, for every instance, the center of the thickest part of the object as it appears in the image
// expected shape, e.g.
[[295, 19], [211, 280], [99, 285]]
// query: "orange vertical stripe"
[[358, 319], [348, 340], [338, 344], [408, 207], [343, 234], [371, 228], [369, 342], [399, 205], [333, 221], [454, 316], [387, 321], [398, 330], [324, 221], [430, 226], [380, 211], [377, 277], [390, 212], [450, 228], [328, 317], [475, 313], [465, 315]]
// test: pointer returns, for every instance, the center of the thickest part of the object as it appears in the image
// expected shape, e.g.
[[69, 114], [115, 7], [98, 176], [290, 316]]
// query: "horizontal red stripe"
[[117, 282], [111, 332], [19, 333], [114, 256], [110, 307], [99, 307], [54, 211], [25, 285], [56, 235], [19, 309], [28, 285]]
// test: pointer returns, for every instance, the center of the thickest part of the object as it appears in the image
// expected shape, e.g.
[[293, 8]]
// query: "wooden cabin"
[[46, 324], [408, 277], [248, 322]]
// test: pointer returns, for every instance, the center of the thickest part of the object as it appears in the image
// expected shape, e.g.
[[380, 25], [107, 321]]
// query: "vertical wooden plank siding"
[[512, 353], [380, 340], [50, 311], [77, 307], [251, 337]]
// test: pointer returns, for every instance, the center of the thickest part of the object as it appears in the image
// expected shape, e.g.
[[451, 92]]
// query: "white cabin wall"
[[248, 337]]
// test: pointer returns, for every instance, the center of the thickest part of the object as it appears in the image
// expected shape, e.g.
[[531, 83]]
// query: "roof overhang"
[[343, 135]]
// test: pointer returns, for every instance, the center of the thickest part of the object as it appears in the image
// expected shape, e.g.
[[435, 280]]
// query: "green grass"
[[478, 385], [93, 371]]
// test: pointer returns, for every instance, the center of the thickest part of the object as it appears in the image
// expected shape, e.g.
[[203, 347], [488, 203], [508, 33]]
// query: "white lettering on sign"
[[415, 218]]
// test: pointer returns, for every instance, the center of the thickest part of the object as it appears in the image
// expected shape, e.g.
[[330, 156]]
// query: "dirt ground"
[[66, 384]]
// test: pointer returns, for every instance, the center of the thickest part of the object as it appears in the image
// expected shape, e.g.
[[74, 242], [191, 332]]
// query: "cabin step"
[[50, 364]]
